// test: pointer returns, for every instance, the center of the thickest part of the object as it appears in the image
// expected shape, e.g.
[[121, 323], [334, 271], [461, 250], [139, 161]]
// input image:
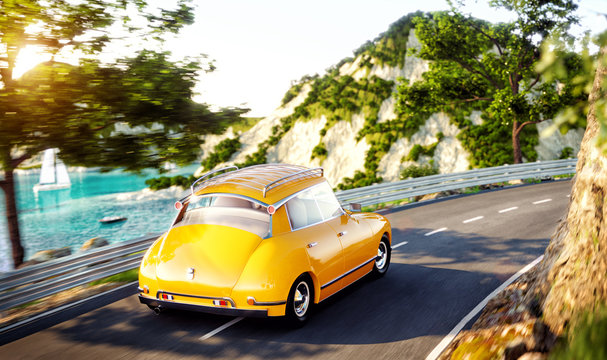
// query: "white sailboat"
[[53, 175]]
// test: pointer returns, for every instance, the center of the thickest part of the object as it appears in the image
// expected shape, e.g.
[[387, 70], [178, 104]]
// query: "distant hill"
[[347, 122]]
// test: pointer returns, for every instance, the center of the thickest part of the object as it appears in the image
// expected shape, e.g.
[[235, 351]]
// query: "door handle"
[[311, 245], [340, 234]]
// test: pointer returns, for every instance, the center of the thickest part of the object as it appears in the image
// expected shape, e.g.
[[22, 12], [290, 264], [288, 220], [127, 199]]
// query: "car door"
[[358, 251], [322, 244], [352, 232]]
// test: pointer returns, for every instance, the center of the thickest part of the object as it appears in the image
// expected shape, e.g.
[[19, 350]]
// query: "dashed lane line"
[[399, 245], [435, 231], [508, 209], [220, 329], [541, 201], [447, 340], [473, 219]]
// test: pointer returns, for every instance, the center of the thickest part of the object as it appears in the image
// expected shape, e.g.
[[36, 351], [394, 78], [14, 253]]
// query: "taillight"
[[220, 302]]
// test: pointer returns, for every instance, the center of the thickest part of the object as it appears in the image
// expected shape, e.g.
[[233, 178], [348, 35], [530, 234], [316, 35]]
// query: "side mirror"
[[355, 207]]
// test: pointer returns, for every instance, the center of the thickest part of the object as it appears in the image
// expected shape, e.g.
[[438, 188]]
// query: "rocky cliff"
[[344, 121]]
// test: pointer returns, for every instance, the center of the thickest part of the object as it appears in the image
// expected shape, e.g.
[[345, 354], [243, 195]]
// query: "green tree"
[[133, 113], [478, 65]]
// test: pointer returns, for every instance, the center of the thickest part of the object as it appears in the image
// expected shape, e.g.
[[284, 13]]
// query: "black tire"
[[300, 301], [384, 253]]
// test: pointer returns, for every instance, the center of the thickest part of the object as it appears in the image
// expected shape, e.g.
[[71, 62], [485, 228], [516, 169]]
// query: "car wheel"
[[382, 262], [299, 303]]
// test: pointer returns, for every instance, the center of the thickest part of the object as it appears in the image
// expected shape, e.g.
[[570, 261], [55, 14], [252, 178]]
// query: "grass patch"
[[586, 340], [126, 276], [245, 124]]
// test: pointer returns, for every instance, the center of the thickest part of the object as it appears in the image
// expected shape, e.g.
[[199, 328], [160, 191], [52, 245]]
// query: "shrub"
[[415, 171], [566, 153], [222, 152]]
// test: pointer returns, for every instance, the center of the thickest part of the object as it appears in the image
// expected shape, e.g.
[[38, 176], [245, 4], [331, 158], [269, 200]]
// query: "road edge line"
[[449, 338]]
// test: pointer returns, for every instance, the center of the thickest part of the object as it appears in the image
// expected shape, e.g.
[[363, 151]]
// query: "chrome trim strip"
[[266, 303], [348, 273], [234, 196], [195, 296]]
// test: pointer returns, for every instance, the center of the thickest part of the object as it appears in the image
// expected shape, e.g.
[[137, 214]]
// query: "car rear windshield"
[[228, 211]]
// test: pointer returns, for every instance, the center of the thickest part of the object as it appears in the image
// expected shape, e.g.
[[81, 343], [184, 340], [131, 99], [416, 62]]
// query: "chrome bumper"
[[205, 309]]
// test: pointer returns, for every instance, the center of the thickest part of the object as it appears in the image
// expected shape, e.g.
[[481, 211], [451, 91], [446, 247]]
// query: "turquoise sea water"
[[59, 218]]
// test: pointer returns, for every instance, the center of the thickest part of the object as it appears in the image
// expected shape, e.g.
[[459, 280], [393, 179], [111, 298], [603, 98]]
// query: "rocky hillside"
[[347, 122]]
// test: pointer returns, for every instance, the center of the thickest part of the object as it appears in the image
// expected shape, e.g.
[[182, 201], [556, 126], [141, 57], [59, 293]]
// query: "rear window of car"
[[227, 211]]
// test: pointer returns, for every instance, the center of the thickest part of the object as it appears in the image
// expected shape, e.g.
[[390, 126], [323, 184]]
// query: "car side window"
[[312, 206], [327, 202]]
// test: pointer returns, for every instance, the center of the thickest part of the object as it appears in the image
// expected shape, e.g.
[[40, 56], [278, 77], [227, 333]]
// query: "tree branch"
[[520, 128], [492, 39], [474, 71], [16, 162], [476, 98]]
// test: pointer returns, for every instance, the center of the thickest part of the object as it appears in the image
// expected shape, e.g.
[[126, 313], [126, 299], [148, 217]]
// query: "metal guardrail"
[[38, 281], [385, 192], [34, 282]]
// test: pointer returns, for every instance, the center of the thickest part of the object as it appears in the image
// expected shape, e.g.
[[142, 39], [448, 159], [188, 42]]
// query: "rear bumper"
[[205, 309]]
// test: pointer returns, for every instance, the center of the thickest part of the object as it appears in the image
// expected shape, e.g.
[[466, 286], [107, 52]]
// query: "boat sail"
[[53, 175]]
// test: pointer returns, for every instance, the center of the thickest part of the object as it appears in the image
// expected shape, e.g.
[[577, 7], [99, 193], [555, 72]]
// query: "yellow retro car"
[[265, 240]]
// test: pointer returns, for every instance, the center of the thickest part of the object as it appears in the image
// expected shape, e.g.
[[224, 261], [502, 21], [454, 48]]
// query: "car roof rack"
[[292, 177], [192, 187]]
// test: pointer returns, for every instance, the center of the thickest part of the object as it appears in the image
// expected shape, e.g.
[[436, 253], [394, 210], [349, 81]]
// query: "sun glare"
[[28, 58]]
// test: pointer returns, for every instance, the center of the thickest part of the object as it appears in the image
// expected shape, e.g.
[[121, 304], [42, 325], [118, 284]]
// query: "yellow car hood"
[[216, 253]]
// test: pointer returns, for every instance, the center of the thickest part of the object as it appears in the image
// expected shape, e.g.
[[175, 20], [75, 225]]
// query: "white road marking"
[[399, 245], [220, 329], [447, 340], [435, 231], [508, 209], [473, 219], [541, 201]]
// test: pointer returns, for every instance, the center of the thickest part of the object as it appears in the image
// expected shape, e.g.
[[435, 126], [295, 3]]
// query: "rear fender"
[[271, 271]]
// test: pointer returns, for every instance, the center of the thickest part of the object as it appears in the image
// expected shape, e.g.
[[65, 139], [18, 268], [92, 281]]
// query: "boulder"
[[93, 243]]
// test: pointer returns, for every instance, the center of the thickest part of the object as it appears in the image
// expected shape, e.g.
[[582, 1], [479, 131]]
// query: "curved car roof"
[[267, 183]]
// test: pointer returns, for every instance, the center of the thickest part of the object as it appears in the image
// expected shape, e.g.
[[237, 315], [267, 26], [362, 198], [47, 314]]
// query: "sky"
[[259, 47]]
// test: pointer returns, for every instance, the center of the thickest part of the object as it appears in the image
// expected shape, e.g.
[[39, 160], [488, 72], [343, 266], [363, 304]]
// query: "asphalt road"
[[458, 251]]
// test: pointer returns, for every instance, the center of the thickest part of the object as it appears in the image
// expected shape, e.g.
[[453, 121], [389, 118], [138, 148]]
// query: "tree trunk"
[[572, 278], [12, 219], [516, 144]]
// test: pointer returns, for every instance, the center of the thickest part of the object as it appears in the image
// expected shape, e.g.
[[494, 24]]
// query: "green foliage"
[[414, 171], [335, 97], [243, 124], [164, 182], [476, 65], [319, 151], [90, 111], [566, 153], [222, 152], [586, 340], [389, 47], [359, 179], [418, 150], [555, 66]]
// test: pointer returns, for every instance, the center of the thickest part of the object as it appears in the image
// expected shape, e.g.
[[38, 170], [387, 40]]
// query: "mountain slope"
[[346, 122]]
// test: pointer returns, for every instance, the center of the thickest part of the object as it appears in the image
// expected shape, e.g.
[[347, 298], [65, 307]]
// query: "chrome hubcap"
[[382, 254], [302, 299]]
